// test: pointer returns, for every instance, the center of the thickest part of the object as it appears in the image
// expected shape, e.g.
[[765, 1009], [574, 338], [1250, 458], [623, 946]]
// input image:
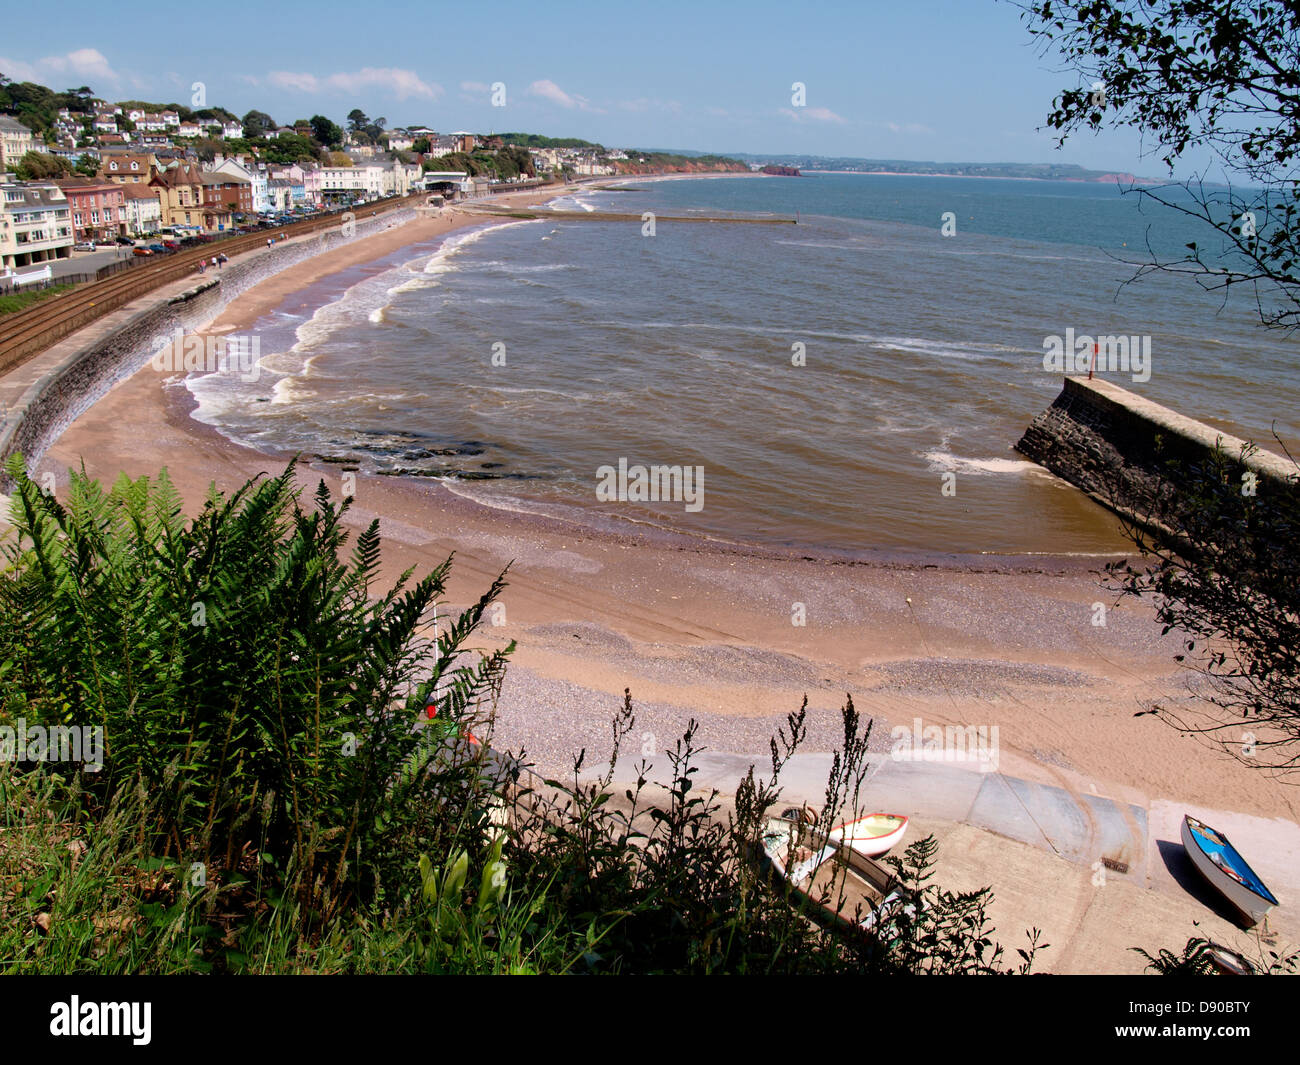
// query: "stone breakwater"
[[1115, 445], [74, 380]]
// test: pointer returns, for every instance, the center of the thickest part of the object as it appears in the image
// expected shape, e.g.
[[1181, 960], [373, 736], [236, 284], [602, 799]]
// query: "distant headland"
[[770, 164]]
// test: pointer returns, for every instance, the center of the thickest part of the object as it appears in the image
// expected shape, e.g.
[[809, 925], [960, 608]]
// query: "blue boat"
[[1226, 870]]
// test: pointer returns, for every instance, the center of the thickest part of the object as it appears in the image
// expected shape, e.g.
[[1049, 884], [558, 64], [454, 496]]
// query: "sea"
[[852, 382]]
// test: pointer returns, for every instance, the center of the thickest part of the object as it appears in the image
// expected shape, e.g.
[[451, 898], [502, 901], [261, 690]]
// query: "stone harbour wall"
[[1115, 444]]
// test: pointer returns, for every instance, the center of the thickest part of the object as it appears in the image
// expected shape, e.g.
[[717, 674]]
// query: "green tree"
[[257, 124], [41, 166], [326, 132]]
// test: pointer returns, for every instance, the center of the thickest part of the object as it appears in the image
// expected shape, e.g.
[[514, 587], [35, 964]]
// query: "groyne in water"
[[1129, 453]]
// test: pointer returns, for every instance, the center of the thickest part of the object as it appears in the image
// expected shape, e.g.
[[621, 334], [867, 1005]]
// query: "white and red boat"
[[872, 835]]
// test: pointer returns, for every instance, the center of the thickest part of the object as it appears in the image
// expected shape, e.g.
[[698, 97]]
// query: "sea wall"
[[1115, 445], [69, 387]]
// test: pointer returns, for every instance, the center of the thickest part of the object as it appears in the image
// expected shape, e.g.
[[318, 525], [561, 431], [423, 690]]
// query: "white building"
[[143, 209], [16, 140], [280, 195], [368, 181], [35, 224]]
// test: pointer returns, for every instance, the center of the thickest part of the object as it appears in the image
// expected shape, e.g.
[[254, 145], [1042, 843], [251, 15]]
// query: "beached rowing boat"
[[872, 835], [813, 864], [1226, 870]]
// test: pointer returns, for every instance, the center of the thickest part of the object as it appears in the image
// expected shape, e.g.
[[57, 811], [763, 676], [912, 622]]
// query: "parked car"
[[141, 251], [158, 248], [106, 243], [174, 245], [85, 245], [125, 241]]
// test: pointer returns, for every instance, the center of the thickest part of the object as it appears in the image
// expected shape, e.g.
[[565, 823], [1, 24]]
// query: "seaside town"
[[144, 179]]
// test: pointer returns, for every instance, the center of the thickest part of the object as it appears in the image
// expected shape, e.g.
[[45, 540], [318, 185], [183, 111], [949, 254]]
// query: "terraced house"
[[35, 224], [228, 192], [180, 195], [143, 211], [128, 168], [98, 208]]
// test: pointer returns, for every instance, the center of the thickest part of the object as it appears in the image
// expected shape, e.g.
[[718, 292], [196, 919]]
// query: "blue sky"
[[952, 80]]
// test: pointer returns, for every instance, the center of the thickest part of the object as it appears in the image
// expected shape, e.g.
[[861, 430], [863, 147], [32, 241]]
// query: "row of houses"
[[135, 194]]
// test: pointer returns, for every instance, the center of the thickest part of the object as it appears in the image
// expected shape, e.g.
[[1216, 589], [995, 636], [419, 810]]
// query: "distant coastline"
[[1109, 179]]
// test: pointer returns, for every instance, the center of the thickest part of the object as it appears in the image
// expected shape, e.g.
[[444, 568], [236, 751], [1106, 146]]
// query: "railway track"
[[26, 333]]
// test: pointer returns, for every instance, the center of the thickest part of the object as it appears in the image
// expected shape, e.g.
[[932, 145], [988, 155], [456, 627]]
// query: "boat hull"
[[1231, 876], [875, 887], [872, 835]]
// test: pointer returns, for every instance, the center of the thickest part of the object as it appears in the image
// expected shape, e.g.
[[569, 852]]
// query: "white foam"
[[947, 461]]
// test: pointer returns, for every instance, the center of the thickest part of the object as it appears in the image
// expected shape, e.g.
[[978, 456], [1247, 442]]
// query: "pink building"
[[98, 208]]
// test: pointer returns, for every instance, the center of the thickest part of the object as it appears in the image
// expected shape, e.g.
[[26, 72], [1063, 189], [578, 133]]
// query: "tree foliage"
[[1214, 76], [1219, 566], [327, 133], [257, 124], [41, 166]]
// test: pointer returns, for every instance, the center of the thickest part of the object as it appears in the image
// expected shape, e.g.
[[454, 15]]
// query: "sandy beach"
[[710, 632]]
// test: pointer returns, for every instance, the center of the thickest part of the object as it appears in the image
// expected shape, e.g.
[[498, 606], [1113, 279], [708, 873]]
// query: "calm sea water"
[[924, 357]]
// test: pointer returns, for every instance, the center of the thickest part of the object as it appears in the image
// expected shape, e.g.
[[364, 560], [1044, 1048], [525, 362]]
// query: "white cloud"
[[84, 62], [88, 64], [475, 86], [811, 114], [548, 90], [402, 83], [17, 70], [288, 79]]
